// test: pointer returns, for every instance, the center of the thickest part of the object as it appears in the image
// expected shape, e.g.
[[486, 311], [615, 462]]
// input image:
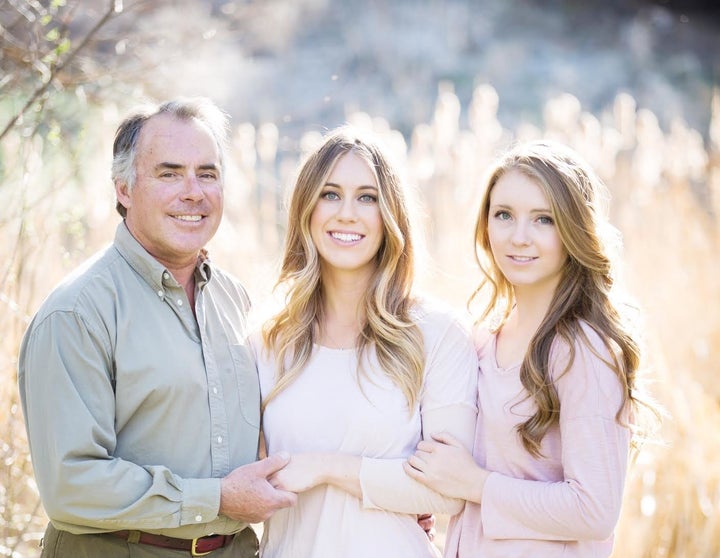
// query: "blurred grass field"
[[58, 208]]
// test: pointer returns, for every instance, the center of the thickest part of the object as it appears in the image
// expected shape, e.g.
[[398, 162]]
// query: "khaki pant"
[[61, 544]]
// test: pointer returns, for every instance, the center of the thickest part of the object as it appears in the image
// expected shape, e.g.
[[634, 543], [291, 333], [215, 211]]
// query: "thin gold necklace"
[[335, 345]]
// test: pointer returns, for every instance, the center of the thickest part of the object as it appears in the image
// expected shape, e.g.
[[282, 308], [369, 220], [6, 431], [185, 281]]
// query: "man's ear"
[[122, 192]]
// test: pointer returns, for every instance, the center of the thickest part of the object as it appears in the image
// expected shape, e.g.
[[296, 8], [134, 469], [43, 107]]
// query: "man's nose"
[[192, 188]]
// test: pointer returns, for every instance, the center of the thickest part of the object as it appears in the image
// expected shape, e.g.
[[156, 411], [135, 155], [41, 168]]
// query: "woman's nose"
[[520, 235]]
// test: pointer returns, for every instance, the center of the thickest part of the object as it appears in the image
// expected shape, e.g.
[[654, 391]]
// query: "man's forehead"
[[182, 137]]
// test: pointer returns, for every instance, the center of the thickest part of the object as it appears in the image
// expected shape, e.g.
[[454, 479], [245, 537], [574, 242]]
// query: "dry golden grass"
[[58, 209]]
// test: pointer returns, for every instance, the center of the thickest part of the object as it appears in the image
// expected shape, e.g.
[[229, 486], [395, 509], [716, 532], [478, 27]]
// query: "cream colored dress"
[[325, 410]]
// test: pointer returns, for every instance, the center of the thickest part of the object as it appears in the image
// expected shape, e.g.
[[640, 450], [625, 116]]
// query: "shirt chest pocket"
[[247, 385]]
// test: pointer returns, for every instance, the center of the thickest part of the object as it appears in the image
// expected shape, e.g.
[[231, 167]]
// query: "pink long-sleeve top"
[[566, 503]]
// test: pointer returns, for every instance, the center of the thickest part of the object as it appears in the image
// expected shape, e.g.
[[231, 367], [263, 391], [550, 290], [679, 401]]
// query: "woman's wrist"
[[340, 470], [476, 485]]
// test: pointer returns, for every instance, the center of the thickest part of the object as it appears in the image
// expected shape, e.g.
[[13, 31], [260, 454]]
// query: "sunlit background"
[[630, 84]]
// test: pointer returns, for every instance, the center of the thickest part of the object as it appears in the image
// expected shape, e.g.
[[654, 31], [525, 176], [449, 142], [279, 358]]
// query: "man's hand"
[[246, 494], [427, 522]]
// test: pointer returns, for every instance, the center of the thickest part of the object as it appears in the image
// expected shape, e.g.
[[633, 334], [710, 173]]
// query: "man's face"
[[176, 204]]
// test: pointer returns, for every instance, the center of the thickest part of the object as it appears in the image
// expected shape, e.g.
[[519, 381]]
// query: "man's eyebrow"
[[166, 165], [175, 166], [208, 166]]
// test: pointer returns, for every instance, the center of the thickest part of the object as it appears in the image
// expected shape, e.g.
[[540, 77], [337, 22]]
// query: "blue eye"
[[330, 196], [546, 220], [502, 215], [368, 198]]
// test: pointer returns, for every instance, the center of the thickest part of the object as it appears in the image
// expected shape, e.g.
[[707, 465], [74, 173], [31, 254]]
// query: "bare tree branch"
[[114, 7]]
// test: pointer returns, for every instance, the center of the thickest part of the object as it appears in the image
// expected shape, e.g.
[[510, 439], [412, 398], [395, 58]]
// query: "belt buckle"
[[193, 549]]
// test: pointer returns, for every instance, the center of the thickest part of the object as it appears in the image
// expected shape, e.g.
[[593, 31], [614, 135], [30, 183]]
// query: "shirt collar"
[[151, 270]]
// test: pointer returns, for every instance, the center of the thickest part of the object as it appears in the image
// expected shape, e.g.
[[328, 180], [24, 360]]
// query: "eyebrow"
[[175, 166], [363, 187], [505, 206]]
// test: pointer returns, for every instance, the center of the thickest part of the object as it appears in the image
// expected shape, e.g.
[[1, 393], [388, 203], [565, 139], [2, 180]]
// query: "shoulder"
[[85, 299], [90, 281], [585, 357], [482, 338], [436, 319], [586, 341]]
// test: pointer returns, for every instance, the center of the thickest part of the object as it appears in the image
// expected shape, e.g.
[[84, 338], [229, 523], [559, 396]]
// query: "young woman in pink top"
[[556, 387]]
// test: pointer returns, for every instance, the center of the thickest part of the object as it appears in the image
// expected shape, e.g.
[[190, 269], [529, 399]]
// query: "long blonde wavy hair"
[[574, 193], [389, 326]]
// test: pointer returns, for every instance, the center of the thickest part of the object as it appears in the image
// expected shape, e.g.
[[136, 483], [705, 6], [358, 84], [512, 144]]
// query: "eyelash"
[[328, 196], [542, 219], [203, 176]]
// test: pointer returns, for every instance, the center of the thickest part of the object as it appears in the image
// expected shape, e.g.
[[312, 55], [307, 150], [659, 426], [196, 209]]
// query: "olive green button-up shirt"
[[134, 407]]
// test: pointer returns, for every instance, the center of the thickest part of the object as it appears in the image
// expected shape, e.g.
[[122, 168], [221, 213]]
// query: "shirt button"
[[219, 439], [166, 275], [160, 293], [198, 518], [215, 390], [179, 302]]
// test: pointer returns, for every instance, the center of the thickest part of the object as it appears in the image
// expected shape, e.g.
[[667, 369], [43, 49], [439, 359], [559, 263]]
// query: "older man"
[[140, 395]]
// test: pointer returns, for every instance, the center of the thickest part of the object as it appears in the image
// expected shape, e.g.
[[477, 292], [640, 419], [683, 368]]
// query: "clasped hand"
[[302, 473], [444, 465]]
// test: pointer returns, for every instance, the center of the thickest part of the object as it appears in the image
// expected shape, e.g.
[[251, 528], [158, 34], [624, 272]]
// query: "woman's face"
[[346, 225], [524, 240]]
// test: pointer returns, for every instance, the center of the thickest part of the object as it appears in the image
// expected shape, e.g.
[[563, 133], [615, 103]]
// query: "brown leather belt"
[[197, 547]]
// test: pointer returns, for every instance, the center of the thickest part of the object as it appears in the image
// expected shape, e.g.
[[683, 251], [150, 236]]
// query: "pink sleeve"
[[594, 453]]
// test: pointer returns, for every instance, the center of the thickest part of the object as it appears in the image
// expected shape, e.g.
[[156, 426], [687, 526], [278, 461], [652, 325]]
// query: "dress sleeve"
[[65, 371], [448, 404], [586, 503]]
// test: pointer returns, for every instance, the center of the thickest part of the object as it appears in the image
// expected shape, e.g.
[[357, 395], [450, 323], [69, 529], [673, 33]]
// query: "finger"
[[446, 438], [411, 472], [427, 520], [426, 446], [274, 463], [423, 455], [287, 499], [415, 462]]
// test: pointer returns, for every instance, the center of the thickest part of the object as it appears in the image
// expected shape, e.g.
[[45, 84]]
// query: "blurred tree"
[[38, 52]]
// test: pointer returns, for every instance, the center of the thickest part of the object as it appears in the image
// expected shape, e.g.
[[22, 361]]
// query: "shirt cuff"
[[200, 501]]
